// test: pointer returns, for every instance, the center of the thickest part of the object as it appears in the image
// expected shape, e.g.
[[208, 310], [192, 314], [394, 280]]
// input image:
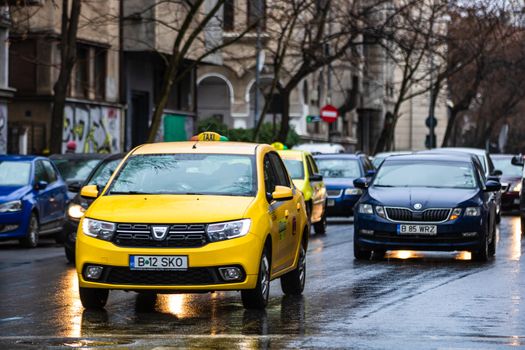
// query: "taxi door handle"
[[286, 213]]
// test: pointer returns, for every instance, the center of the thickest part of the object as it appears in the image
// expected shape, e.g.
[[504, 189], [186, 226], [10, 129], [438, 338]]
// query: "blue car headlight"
[[473, 211], [98, 229], [227, 230], [353, 191], [11, 207], [366, 209]]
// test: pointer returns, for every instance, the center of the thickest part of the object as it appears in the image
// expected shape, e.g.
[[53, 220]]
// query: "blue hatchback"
[[339, 172], [427, 202], [32, 198]]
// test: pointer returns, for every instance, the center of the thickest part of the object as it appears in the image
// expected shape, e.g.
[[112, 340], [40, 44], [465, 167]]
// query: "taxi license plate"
[[331, 202], [417, 230], [158, 262]]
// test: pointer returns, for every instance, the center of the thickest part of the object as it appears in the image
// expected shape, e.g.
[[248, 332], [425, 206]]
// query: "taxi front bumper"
[[202, 273]]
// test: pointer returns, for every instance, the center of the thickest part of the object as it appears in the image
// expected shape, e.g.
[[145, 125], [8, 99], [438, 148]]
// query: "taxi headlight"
[[98, 229], [10, 207], [517, 187], [75, 211], [353, 191], [227, 230], [473, 211]]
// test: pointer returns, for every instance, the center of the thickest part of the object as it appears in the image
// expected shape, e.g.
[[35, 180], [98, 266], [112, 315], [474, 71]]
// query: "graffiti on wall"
[[3, 129], [95, 129]]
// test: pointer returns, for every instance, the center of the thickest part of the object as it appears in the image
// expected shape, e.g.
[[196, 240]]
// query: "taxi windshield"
[[426, 174], [103, 173], [205, 174], [295, 168], [506, 167]]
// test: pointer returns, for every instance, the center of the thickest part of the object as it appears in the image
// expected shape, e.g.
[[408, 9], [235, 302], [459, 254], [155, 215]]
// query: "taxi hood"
[[168, 209]]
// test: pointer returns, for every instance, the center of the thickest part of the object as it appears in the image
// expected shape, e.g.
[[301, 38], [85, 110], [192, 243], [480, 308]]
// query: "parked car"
[[491, 173], [75, 168], [99, 176], [339, 172], [510, 181], [427, 202], [320, 147], [33, 197], [380, 157], [305, 175]]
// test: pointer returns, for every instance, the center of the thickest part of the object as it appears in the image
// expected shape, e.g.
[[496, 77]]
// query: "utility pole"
[[257, 62]]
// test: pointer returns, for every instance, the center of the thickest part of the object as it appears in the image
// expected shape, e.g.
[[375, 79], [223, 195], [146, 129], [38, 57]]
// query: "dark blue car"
[[32, 198], [339, 172], [427, 202]]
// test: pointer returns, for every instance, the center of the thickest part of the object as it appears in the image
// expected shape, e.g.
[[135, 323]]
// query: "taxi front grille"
[[178, 236], [193, 276], [407, 215]]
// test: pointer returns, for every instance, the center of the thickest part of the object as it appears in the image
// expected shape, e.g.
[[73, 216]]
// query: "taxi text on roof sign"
[[208, 136]]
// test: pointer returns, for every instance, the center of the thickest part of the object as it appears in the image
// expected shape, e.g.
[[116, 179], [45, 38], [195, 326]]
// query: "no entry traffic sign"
[[329, 113]]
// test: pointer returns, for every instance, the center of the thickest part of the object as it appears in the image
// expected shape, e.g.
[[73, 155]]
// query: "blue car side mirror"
[[492, 186], [41, 185], [361, 183]]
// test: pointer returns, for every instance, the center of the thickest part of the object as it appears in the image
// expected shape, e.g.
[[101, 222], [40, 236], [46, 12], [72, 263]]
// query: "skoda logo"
[[159, 232], [418, 206]]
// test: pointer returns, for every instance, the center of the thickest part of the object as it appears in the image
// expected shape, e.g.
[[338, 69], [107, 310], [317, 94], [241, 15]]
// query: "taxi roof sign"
[[209, 136], [279, 146]]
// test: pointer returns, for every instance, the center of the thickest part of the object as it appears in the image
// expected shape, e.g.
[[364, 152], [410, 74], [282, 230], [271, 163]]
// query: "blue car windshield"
[[295, 168], [14, 173], [206, 174], [339, 168], [426, 174]]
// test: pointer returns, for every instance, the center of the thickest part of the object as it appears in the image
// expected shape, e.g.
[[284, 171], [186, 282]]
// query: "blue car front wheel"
[[33, 229]]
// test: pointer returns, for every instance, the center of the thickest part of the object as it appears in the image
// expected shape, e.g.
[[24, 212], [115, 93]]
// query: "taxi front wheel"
[[293, 282], [257, 298], [93, 298]]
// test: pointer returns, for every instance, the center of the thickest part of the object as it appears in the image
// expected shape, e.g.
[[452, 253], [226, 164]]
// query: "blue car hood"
[[428, 197], [10, 193], [338, 183]]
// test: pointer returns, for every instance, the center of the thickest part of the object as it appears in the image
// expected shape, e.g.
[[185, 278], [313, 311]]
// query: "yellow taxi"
[[305, 175], [194, 217]]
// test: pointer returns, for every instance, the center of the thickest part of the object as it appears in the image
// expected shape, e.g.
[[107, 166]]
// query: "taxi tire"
[[257, 298], [359, 253], [320, 227], [293, 282], [33, 231], [93, 298]]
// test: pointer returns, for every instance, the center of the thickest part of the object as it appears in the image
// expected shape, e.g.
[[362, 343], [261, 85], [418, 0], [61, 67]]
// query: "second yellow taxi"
[[191, 217]]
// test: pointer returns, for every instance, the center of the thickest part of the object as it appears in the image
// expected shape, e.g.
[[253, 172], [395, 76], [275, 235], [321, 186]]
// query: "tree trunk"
[[68, 54], [450, 128], [387, 132], [285, 116]]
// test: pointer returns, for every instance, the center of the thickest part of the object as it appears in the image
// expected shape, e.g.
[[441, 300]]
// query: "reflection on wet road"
[[408, 299]]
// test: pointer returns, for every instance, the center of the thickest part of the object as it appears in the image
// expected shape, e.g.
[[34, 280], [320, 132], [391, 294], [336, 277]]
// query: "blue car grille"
[[179, 235], [429, 215], [334, 193]]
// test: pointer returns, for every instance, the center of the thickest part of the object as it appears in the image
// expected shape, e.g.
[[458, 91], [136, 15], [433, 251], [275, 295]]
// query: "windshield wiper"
[[383, 186]]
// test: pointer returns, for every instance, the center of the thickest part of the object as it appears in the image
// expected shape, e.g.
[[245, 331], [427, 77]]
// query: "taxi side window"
[[281, 174], [311, 169], [269, 177]]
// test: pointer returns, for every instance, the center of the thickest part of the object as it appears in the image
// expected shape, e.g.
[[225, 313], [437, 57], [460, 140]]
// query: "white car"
[[316, 148]]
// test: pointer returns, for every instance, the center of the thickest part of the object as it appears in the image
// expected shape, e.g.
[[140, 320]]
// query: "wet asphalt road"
[[409, 300]]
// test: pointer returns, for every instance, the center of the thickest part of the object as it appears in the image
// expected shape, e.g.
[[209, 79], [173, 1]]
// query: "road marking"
[[9, 319]]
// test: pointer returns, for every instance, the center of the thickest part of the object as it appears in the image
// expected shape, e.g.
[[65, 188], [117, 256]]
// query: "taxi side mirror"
[[517, 160], [90, 191], [316, 177], [282, 193]]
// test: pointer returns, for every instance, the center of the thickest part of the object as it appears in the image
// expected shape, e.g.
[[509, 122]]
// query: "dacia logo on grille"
[[159, 232], [418, 206]]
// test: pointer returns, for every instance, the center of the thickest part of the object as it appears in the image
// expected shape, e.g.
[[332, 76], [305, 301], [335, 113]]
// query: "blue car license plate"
[[429, 230]]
